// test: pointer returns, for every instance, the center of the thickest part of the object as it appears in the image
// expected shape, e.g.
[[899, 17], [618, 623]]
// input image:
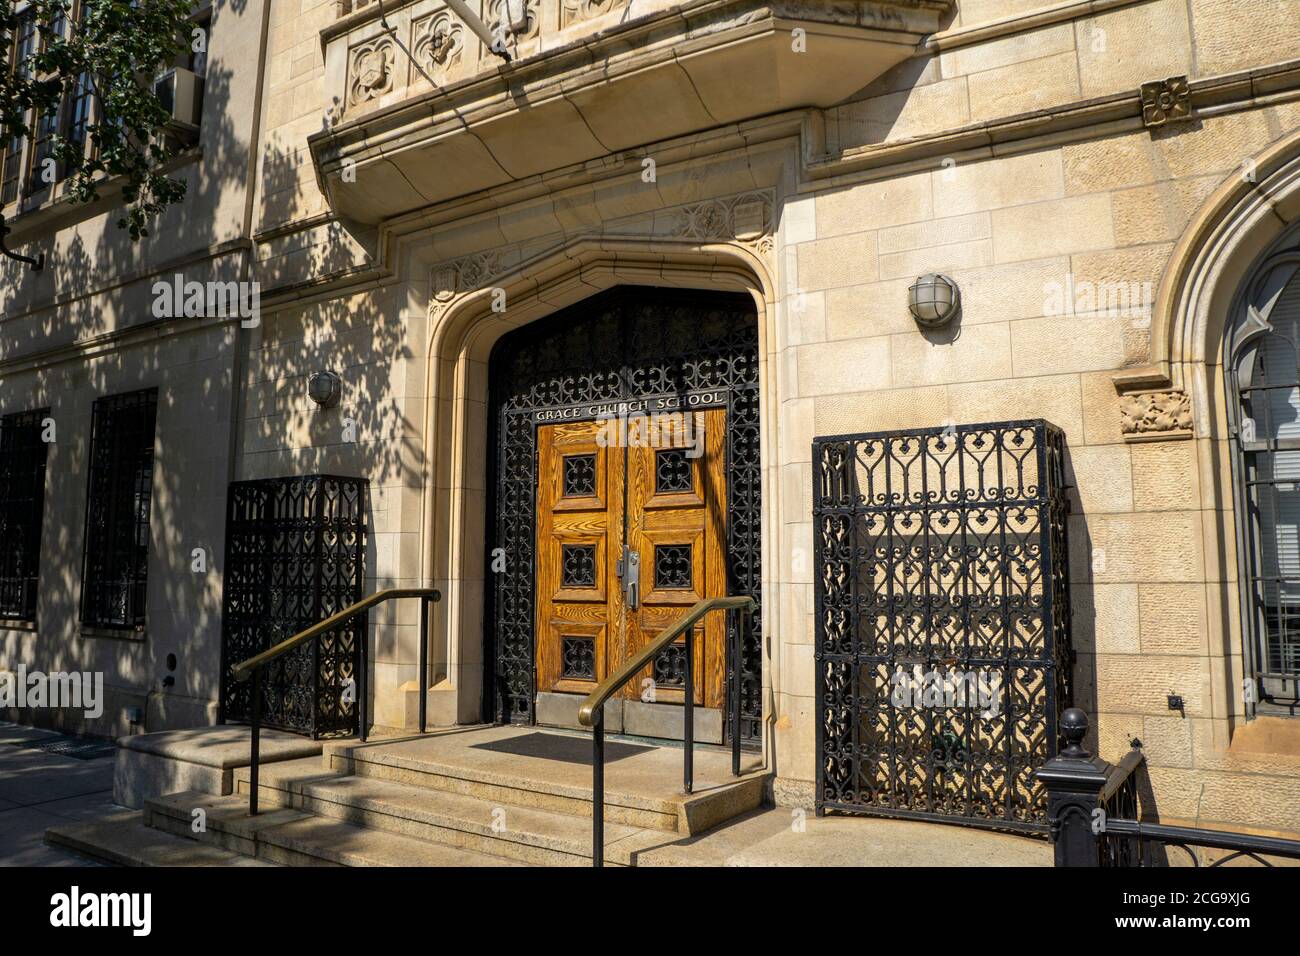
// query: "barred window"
[[117, 510], [22, 503], [1264, 377]]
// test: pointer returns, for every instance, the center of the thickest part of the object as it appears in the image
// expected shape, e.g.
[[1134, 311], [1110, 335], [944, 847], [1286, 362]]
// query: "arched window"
[[1262, 364]]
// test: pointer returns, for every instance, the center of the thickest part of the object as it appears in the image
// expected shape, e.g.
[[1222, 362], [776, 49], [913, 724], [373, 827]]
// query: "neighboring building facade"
[[714, 211]]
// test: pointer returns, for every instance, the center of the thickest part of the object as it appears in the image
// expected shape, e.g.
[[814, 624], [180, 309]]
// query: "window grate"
[[116, 554], [22, 502], [1264, 378]]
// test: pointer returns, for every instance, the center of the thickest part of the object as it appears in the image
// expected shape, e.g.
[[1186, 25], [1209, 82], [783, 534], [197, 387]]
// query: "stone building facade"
[[1103, 181]]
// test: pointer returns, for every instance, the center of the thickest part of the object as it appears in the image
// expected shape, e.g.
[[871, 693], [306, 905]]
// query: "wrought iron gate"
[[628, 344], [295, 554], [942, 620]]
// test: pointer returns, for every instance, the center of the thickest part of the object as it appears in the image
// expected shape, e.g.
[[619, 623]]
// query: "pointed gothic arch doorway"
[[624, 422]]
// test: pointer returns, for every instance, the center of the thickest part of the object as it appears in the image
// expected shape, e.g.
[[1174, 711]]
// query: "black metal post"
[[688, 758], [742, 631], [1074, 780], [363, 642], [598, 789], [424, 662], [254, 756]]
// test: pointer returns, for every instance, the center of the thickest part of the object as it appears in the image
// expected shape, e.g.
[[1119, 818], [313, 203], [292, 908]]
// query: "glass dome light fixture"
[[325, 389], [934, 300]]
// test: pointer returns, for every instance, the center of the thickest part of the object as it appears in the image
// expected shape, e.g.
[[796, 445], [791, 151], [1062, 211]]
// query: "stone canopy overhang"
[[668, 73]]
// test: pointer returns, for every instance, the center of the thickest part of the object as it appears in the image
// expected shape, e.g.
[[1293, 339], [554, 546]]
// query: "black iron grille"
[[295, 554], [116, 559], [942, 620], [22, 505]]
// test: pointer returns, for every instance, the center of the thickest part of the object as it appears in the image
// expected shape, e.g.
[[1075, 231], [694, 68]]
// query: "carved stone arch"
[[1201, 284], [463, 329]]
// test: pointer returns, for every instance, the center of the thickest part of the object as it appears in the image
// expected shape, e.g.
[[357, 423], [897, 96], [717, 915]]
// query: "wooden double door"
[[631, 525]]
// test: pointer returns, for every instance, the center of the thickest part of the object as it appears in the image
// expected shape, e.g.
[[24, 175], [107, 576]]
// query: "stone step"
[[296, 838], [522, 833], [643, 783], [125, 840]]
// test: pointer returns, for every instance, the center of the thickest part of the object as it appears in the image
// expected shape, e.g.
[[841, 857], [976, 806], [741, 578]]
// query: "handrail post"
[[363, 641], [598, 789], [1074, 780], [424, 662], [688, 762], [256, 742], [742, 629]]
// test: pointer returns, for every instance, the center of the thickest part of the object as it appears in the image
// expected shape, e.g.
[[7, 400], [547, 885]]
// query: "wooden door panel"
[[676, 522], [579, 532]]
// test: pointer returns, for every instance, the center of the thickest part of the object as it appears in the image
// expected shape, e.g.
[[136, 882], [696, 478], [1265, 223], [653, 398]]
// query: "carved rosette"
[[439, 41], [1166, 101], [575, 11], [1156, 416], [370, 70]]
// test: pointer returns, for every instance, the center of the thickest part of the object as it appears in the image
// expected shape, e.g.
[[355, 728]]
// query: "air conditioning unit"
[[181, 93]]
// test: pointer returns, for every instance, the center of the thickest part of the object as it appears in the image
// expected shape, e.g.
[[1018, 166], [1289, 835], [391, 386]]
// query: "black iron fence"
[[1095, 814], [942, 620], [295, 554]]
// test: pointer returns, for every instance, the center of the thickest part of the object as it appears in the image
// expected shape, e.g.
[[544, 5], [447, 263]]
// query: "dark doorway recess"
[[628, 344]]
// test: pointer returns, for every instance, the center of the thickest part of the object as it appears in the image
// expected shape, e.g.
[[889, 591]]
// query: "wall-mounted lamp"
[[933, 300], [325, 389]]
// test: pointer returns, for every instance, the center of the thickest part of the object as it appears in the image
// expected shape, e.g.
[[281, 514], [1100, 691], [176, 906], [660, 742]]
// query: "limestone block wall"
[[192, 372], [374, 343], [1153, 565]]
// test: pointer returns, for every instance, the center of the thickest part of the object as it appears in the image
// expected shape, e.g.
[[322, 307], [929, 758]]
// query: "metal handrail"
[[253, 667], [591, 713]]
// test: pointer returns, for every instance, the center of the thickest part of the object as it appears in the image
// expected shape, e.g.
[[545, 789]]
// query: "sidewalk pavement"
[[41, 786]]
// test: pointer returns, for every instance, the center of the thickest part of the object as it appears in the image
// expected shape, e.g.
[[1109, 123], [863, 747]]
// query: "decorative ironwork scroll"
[[942, 620], [628, 345], [295, 554]]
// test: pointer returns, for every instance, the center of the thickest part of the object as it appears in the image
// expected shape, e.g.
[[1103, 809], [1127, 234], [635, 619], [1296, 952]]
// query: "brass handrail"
[[614, 683], [254, 665], [591, 713], [244, 669]]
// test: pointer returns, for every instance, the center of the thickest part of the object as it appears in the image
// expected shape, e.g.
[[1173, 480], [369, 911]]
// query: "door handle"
[[632, 579]]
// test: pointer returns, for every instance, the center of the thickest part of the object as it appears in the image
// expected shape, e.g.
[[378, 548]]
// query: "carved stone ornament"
[[1166, 101], [745, 219], [439, 40], [371, 71], [575, 11], [1153, 416]]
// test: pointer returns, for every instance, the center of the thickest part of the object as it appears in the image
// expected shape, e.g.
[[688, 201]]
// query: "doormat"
[[559, 747], [77, 748]]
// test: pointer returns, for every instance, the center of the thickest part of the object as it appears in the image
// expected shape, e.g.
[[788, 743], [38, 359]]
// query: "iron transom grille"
[[295, 554], [616, 349], [22, 503], [942, 620], [120, 478]]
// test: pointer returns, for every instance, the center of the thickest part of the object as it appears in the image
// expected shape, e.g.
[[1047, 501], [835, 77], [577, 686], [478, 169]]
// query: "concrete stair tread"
[[564, 832], [642, 789], [474, 814], [323, 838], [125, 840]]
